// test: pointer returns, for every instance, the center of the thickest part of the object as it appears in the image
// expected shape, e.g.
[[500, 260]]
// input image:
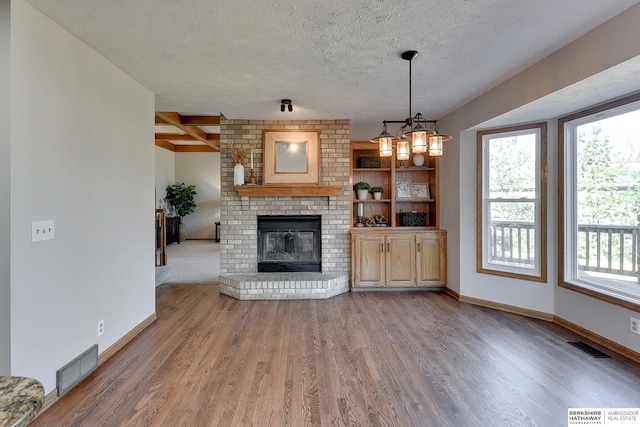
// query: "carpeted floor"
[[195, 262]]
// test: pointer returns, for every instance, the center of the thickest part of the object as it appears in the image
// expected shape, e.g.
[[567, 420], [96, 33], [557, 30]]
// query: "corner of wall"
[[5, 188]]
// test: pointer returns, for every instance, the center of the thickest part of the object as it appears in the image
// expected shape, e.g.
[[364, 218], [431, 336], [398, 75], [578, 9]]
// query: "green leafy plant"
[[362, 186], [181, 198], [377, 190]]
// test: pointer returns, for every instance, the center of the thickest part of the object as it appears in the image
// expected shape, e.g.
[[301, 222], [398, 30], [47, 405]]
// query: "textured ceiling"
[[334, 59]]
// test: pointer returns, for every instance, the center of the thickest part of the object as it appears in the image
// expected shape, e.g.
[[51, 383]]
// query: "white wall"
[[599, 66], [203, 170], [5, 224], [165, 172], [82, 155]]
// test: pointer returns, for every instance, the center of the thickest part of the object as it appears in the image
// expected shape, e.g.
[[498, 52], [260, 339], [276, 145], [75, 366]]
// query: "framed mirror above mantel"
[[291, 167], [291, 156]]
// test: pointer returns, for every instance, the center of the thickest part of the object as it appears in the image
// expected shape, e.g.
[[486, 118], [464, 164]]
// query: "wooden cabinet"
[[398, 259], [369, 260], [431, 259], [173, 229], [396, 241]]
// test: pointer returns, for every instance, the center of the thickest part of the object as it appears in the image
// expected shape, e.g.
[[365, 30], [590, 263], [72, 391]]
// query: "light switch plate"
[[42, 230]]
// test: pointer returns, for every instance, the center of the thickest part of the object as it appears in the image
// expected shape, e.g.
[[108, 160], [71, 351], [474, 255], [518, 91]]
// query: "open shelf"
[[395, 177]]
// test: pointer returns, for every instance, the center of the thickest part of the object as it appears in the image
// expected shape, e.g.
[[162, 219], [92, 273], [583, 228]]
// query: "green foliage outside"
[[512, 172], [608, 191]]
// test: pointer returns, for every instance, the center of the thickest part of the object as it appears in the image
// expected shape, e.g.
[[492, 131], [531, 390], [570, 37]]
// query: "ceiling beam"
[[185, 148], [166, 145], [175, 119], [194, 149], [201, 120], [174, 137], [184, 137]]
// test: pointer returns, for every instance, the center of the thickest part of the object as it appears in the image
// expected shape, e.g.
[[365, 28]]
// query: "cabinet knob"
[[418, 247]]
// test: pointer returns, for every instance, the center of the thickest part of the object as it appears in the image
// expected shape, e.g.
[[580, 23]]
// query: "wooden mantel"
[[300, 190]]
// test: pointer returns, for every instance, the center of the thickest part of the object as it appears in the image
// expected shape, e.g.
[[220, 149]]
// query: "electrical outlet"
[[42, 230], [100, 327], [634, 325]]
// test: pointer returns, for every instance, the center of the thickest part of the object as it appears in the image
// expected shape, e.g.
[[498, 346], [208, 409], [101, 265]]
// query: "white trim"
[[571, 274]]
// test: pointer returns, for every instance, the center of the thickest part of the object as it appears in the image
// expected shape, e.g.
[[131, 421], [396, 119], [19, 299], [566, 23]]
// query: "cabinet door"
[[400, 260], [368, 257], [431, 259]]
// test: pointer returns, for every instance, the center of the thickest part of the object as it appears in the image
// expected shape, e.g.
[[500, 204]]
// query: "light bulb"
[[403, 150], [435, 146], [419, 141], [386, 147]]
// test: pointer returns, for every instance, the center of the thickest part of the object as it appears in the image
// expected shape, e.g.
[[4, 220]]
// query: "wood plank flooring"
[[362, 359]]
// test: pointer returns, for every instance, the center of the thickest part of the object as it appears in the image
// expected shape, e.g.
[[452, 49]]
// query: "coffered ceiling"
[[334, 59], [177, 132]]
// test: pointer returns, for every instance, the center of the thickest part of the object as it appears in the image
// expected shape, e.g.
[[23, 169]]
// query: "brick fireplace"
[[239, 276]]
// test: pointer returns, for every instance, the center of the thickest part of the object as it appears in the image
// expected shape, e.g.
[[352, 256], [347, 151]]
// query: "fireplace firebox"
[[289, 243]]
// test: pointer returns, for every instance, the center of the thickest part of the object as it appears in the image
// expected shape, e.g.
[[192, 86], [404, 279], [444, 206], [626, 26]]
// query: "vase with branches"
[[239, 155]]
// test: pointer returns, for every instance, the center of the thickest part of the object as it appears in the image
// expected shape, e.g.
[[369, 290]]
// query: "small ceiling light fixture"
[[424, 133], [286, 103]]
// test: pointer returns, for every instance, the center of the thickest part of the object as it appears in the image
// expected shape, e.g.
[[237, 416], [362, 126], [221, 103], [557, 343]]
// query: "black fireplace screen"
[[289, 243]]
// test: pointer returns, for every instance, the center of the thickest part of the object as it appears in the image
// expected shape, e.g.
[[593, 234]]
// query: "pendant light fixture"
[[402, 147], [435, 142], [423, 134], [385, 139]]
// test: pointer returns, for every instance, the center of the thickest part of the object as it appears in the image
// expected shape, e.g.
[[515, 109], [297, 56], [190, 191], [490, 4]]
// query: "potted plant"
[[181, 198], [362, 189], [377, 192]]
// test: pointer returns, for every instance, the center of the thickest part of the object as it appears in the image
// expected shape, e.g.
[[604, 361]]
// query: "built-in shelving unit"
[[398, 243], [408, 189]]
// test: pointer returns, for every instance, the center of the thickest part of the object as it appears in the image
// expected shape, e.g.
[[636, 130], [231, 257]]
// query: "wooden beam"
[[215, 145], [166, 145], [201, 120], [175, 119], [194, 149], [185, 137], [300, 190], [174, 137]]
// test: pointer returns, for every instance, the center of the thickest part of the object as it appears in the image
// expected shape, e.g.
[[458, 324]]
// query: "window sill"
[[606, 294]]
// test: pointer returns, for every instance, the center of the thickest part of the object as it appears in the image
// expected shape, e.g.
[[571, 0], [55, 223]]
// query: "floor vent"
[[589, 350], [75, 371]]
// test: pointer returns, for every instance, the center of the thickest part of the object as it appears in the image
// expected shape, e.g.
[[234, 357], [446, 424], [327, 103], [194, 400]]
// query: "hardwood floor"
[[397, 359]]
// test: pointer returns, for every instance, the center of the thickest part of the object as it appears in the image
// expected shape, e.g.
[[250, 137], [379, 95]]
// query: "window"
[[512, 195], [600, 201]]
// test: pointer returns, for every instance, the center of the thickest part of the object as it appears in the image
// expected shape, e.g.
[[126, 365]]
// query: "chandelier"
[[423, 135]]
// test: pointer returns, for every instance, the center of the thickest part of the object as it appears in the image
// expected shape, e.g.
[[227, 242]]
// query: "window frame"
[[539, 272], [566, 170]]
